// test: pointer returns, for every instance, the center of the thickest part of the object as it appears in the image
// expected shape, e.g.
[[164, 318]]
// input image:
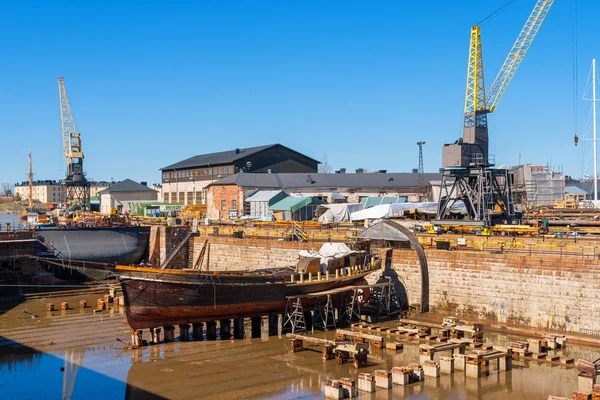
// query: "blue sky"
[[154, 82]]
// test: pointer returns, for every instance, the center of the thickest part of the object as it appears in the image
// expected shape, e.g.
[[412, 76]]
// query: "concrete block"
[[394, 346], [82, 304], [431, 368], [169, 333], [349, 388], [535, 345], [334, 390], [459, 362], [155, 335], [366, 382], [417, 374], [400, 376], [473, 370], [585, 384], [446, 365], [184, 332], [383, 379]]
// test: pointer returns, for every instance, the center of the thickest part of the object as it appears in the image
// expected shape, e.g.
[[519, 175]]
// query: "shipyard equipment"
[[468, 175], [76, 185], [423, 196]]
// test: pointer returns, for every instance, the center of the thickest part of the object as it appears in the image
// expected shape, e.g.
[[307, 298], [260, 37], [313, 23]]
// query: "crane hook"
[[576, 139]]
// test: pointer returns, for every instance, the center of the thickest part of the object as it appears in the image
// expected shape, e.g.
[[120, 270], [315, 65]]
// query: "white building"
[[43, 191], [118, 196]]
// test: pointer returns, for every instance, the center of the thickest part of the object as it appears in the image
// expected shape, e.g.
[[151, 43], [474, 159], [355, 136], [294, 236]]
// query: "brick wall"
[[217, 194], [543, 292]]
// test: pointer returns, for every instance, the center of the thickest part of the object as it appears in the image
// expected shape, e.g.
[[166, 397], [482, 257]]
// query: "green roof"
[[293, 204]]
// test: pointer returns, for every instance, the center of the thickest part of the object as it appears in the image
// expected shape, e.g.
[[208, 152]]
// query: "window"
[[234, 204], [181, 197], [224, 205], [166, 197], [190, 197], [165, 176]]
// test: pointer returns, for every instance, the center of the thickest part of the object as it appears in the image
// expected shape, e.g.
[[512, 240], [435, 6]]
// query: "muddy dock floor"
[[80, 354]]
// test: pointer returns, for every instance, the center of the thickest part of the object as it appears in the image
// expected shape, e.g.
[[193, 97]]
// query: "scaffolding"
[[537, 185]]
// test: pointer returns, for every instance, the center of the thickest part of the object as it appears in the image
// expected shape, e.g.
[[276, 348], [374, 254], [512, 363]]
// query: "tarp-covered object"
[[328, 251], [388, 210], [292, 204], [339, 212], [383, 230], [369, 202]]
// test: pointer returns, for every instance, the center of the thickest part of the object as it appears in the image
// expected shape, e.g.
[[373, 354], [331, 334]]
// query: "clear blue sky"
[[153, 82]]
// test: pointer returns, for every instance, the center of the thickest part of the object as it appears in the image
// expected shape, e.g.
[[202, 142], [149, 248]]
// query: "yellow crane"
[[467, 176], [77, 186]]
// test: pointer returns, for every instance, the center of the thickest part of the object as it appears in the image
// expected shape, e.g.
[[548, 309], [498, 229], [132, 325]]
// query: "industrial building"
[[43, 191], [226, 198], [116, 198], [184, 181]]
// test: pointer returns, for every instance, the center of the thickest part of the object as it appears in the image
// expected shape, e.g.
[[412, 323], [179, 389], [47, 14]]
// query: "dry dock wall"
[[228, 254], [537, 291]]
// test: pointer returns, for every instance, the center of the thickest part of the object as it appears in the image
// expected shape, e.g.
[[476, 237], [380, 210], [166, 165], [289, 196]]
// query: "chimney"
[[415, 170], [144, 183], [237, 151], [360, 170], [383, 171]]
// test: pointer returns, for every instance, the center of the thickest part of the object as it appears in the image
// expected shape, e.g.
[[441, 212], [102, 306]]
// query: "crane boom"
[[77, 186], [71, 139], [517, 53]]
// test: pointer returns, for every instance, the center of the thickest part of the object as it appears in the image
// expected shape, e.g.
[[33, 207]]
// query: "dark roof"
[[222, 157], [127, 186], [375, 180]]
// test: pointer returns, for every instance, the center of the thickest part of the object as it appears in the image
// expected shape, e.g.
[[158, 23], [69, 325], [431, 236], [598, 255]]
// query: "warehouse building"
[[116, 198], [184, 181], [226, 197]]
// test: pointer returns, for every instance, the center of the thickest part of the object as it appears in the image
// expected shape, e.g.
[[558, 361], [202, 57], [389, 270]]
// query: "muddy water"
[[77, 354]]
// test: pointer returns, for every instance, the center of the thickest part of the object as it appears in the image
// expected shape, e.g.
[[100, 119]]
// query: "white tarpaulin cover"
[[328, 251], [388, 210], [340, 212]]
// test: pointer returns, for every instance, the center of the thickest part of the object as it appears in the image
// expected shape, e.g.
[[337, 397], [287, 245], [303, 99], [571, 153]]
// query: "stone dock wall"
[[536, 291]]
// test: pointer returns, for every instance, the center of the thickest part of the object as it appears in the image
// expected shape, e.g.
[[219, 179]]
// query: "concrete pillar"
[[82, 304], [366, 382], [238, 328], [64, 305], [273, 324], [198, 331], [155, 335], [425, 357], [310, 276], [50, 307], [417, 373], [400, 376], [136, 338], [169, 333], [459, 362], [108, 298], [431, 368], [211, 330], [505, 363], [348, 388], [383, 379], [184, 332], [473, 370], [225, 329], [256, 326], [446, 365]]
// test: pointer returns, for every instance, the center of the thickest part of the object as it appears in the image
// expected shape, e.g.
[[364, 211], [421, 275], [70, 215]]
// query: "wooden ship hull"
[[158, 297]]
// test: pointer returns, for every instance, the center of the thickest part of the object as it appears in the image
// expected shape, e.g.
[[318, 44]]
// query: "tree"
[[6, 189], [17, 197], [325, 167]]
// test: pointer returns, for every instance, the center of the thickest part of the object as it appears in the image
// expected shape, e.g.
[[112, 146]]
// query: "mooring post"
[[184, 332], [169, 333], [225, 329], [211, 330], [198, 331], [256, 325], [238, 328]]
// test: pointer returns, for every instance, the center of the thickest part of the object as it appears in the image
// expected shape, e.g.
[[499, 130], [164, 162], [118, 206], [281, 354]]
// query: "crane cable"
[[497, 12]]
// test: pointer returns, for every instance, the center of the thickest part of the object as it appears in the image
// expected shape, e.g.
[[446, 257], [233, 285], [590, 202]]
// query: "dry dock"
[[77, 353]]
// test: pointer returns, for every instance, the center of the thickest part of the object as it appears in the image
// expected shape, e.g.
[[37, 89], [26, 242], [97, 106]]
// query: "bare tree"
[[6, 189], [325, 167]]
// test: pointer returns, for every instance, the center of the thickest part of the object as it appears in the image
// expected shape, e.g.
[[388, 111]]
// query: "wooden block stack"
[[366, 382]]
